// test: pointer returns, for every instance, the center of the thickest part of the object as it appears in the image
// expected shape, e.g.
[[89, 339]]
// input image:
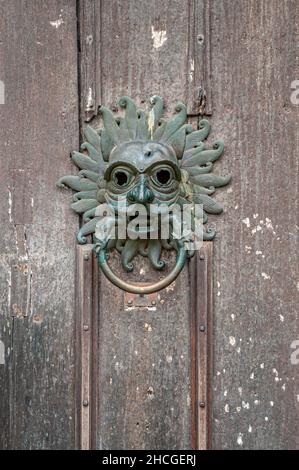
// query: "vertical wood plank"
[[88, 56], [254, 57], [198, 68], [143, 54], [37, 248]]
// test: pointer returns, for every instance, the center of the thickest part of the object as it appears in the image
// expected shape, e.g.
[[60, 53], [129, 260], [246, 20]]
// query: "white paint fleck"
[[169, 359], [255, 216], [258, 252], [258, 228], [118, 367], [218, 293], [226, 408], [89, 100], [271, 403], [266, 418], [245, 405], [136, 353], [232, 340], [142, 271], [297, 396], [256, 402], [238, 350], [229, 190], [283, 387], [2, 353], [9, 205], [171, 287], [246, 221], [262, 365], [240, 439], [233, 316], [57, 23], [225, 393], [236, 207], [238, 409], [158, 37], [269, 225], [249, 428], [248, 249], [281, 317], [275, 371], [218, 284], [191, 73], [9, 289], [218, 372], [240, 390], [266, 276], [252, 375]]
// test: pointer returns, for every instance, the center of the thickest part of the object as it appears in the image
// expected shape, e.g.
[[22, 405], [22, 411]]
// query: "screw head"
[[200, 38], [130, 302], [202, 328], [201, 256], [202, 404], [85, 403], [85, 327], [86, 257], [153, 302]]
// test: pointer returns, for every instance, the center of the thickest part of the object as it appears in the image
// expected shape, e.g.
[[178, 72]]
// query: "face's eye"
[[163, 176], [121, 177]]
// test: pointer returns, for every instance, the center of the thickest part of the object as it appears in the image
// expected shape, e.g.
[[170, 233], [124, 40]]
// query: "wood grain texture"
[[144, 48], [143, 378], [254, 53], [39, 128]]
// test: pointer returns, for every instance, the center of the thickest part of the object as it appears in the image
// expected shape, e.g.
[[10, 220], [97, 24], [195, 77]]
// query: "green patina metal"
[[143, 158]]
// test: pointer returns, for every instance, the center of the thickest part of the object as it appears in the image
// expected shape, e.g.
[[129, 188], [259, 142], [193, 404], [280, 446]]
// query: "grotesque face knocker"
[[145, 186]]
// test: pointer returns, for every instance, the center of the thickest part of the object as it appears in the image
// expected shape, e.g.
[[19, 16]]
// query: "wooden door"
[[211, 363]]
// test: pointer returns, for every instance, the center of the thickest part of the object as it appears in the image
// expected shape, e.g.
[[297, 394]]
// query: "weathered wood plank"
[[144, 366], [138, 51], [254, 49], [198, 67], [143, 380], [39, 129]]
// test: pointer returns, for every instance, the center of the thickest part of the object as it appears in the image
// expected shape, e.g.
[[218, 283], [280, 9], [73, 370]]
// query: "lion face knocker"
[[138, 178]]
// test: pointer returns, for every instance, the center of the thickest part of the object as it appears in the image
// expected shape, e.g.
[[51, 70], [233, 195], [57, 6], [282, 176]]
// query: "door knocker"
[[139, 177]]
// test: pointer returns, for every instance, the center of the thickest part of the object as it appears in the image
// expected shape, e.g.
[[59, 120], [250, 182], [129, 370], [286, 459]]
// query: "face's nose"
[[141, 194]]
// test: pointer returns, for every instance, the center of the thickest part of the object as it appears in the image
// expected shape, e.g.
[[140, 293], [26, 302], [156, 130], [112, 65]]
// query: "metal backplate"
[[132, 301], [157, 372]]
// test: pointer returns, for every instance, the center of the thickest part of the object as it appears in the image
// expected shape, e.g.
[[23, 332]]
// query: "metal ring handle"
[[147, 289]]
